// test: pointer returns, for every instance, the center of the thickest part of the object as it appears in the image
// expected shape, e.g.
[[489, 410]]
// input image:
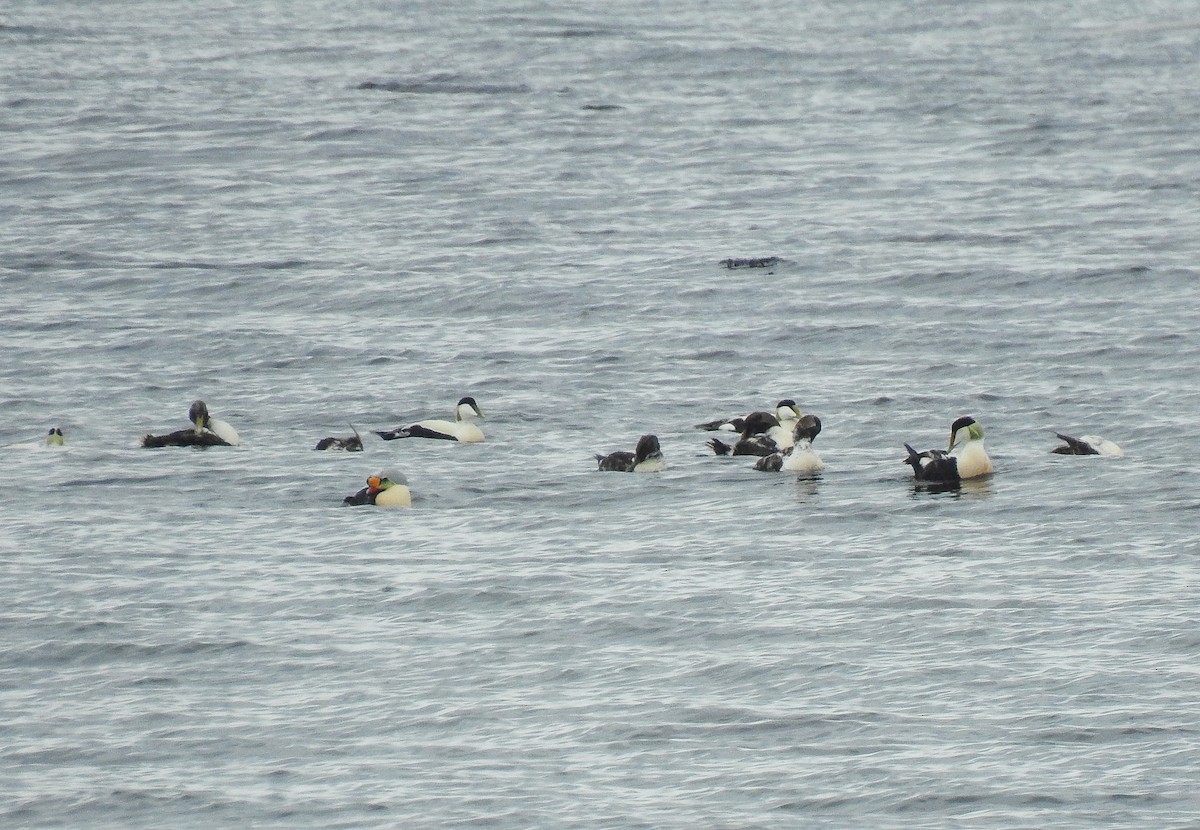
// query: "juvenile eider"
[[461, 429], [647, 457], [206, 431], [382, 491], [966, 458], [759, 436], [352, 444], [800, 457], [1087, 445]]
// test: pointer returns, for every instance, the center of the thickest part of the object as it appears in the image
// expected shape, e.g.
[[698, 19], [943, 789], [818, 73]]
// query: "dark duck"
[[206, 431]]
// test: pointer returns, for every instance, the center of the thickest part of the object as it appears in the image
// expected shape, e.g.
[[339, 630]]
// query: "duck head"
[[963, 430]]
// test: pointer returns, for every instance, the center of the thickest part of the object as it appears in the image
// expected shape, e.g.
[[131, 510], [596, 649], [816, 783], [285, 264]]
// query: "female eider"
[[206, 431], [966, 457], [461, 429], [760, 436], [1087, 445], [800, 457], [352, 444], [647, 457], [382, 491]]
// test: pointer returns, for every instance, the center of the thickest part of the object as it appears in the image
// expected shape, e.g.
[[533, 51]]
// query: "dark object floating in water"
[[601, 107], [753, 262], [352, 444], [443, 85]]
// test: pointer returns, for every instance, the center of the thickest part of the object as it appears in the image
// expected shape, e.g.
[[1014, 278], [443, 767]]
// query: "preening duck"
[[1087, 445], [461, 429], [206, 431], [760, 436], [352, 444], [646, 457], [800, 457], [382, 491], [966, 458]]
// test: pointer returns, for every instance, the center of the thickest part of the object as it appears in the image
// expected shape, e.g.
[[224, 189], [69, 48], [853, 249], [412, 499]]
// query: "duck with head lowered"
[[646, 457], [966, 457], [800, 457], [206, 431], [352, 444], [461, 429], [760, 435], [382, 490], [1087, 445]]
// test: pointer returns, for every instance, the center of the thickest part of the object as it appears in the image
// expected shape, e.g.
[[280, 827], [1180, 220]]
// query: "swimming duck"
[[461, 429], [1087, 445], [760, 436], [784, 410], [351, 444], [206, 431], [966, 457], [647, 457], [54, 438], [798, 458], [382, 491]]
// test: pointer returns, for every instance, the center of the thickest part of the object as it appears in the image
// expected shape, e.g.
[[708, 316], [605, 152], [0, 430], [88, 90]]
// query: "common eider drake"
[[461, 429], [647, 457], [1087, 445], [785, 410], [800, 457], [55, 437], [966, 458], [352, 444], [382, 491], [760, 436], [206, 431]]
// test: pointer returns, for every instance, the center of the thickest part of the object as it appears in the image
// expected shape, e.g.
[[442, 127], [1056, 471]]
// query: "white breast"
[[973, 460], [224, 431]]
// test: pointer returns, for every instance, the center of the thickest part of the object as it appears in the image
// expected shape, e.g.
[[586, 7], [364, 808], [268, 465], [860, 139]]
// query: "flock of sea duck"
[[779, 441]]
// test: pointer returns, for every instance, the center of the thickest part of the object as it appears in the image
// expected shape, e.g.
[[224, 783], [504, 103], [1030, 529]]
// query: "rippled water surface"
[[315, 217]]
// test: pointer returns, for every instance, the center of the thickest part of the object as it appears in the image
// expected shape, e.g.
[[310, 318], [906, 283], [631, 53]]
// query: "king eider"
[[1087, 445], [206, 431], [382, 491], [352, 444], [798, 458], [966, 458], [647, 457], [461, 429]]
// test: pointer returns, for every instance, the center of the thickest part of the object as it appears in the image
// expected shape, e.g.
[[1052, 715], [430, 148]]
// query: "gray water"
[[313, 216]]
